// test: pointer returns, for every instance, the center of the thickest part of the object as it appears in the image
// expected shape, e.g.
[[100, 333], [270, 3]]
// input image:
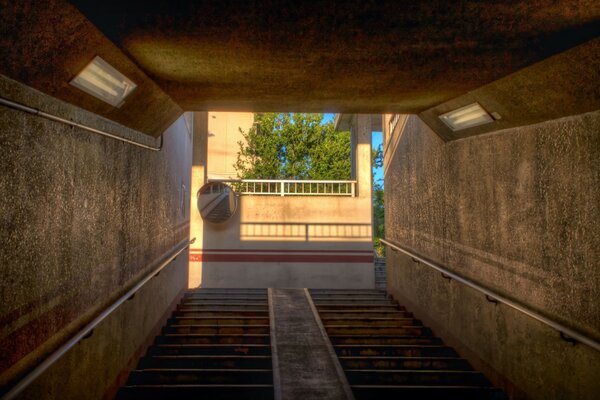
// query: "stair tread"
[[219, 356], [200, 386], [210, 345], [396, 358], [437, 387], [383, 336], [223, 317], [375, 327], [366, 318], [218, 326], [188, 370], [416, 371]]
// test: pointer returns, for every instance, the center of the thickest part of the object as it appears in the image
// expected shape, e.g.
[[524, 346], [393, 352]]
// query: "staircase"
[[388, 354], [216, 345], [380, 273]]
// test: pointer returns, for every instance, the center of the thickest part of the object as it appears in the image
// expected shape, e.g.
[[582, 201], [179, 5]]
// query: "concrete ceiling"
[[44, 44], [311, 56], [345, 56]]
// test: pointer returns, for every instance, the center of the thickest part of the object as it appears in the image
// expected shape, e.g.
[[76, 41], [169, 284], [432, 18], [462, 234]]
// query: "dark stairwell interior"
[[512, 204], [215, 345]]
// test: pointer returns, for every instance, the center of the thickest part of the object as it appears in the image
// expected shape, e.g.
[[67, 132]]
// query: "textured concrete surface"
[[562, 85], [351, 56], [82, 218], [96, 367], [307, 369], [46, 44], [517, 211], [311, 56]]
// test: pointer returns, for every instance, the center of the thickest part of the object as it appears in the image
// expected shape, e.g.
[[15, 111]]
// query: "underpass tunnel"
[[490, 114]]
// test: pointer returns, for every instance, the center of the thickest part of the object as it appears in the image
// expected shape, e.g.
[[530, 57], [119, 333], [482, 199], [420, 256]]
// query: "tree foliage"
[[378, 206], [301, 146], [293, 146]]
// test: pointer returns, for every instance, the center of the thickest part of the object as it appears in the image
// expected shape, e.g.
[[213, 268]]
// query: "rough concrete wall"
[[82, 218], [517, 211], [98, 366]]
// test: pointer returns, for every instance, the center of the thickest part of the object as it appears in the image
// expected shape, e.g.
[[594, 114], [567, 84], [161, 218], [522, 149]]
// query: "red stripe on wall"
[[302, 258], [276, 251]]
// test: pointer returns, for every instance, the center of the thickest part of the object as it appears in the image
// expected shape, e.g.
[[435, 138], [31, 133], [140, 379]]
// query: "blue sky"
[[376, 141]]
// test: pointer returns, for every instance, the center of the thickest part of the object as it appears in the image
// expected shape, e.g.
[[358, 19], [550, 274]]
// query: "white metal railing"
[[290, 187], [393, 122]]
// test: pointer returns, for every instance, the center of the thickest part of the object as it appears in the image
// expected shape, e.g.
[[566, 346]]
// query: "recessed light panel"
[[466, 117], [104, 82]]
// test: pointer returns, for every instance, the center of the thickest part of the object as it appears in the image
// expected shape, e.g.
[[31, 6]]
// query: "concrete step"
[[238, 339], [352, 300], [200, 376], [240, 361], [376, 296], [222, 312], [209, 349], [195, 392], [391, 392], [203, 306], [346, 291], [225, 320], [224, 296], [387, 354], [365, 314], [415, 377], [383, 340], [352, 306], [222, 292], [408, 363], [217, 329], [370, 321], [378, 330], [229, 290], [405, 350], [223, 302]]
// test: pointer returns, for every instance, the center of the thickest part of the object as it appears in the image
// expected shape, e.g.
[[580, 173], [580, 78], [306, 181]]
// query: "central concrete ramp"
[[304, 362]]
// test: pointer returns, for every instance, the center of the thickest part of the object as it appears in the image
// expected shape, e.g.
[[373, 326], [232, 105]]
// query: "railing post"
[[352, 188], [282, 188]]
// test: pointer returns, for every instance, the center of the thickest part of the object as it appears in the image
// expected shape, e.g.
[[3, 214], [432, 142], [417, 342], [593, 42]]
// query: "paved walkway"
[[302, 355]]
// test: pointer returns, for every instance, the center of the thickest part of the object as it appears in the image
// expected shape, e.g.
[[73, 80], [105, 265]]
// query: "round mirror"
[[216, 202]]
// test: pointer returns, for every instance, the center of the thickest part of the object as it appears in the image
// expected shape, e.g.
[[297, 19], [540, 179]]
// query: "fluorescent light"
[[466, 117], [104, 82]]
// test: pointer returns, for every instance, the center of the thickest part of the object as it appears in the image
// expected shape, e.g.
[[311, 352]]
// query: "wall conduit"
[[563, 330], [35, 111]]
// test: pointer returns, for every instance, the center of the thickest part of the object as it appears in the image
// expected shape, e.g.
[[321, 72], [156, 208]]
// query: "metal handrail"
[[87, 330], [563, 330], [40, 113]]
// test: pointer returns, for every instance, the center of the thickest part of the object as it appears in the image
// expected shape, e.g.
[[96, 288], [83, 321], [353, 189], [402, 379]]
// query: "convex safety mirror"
[[217, 202]]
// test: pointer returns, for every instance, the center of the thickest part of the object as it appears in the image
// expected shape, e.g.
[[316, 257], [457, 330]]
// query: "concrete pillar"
[[199, 175], [361, 154]]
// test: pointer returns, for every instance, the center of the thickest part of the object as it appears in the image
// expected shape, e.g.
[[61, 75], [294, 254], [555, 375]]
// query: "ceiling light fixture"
[[466, 117], [104, 82]]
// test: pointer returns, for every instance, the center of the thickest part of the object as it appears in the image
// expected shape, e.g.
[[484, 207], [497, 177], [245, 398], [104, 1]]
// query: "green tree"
[[293, 146], [378, 206]]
